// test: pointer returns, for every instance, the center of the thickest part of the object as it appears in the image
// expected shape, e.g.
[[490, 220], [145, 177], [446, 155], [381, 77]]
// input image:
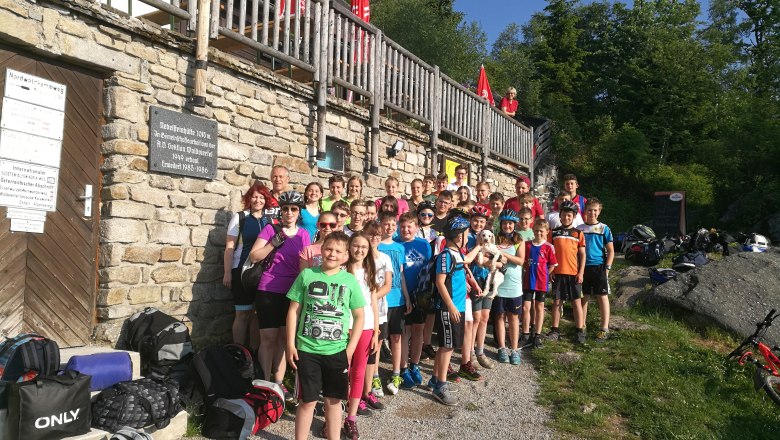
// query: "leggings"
[[357, 368]]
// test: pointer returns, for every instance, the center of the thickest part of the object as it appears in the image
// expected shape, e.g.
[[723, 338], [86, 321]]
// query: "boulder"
[[632, 285], [735, 292]]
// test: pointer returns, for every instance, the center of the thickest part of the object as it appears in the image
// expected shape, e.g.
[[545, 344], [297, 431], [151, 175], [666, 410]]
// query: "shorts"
[[326, 373], [481, 303], [533, 295], [395, 320], [243, 299], [594, 281], [565, 288], [271, 309], [450, 333], [416, 317], [508, 305], [468, 314]]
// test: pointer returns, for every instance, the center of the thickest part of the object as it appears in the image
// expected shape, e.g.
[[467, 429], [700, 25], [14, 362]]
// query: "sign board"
[[24, 147], [29, 186], [25, 214], [182, 144], [32, 119], [20, 225], [669, 213], [35, 90]]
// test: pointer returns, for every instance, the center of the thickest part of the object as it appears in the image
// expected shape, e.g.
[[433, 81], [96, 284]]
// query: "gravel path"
[[502, 405]]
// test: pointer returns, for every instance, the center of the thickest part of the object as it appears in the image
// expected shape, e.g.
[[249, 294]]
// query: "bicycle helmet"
[[426, 205], [455, 226], [509, 215], [290, 198], [755, 243], [568, 205], [480, 211]]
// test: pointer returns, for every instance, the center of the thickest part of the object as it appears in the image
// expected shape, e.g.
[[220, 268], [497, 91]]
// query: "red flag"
[[483, 86], [362, 9]]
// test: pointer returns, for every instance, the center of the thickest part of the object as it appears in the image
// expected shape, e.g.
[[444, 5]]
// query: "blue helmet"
[[509, 215], [455, 226]]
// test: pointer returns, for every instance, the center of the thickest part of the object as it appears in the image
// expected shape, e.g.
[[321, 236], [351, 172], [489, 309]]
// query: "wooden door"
[[48, 281]]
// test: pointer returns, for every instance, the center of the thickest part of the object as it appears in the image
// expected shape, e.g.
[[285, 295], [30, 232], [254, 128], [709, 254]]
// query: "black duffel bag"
[[49, 407], [136, 404]]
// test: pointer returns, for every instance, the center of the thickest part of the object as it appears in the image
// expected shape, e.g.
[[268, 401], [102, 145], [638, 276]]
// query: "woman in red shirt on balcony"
[[509, 103]]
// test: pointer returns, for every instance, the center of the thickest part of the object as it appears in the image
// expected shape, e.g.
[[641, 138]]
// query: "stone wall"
[[162, 236]]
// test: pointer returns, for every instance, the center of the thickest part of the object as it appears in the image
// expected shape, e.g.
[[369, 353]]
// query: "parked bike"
[[767, 372]]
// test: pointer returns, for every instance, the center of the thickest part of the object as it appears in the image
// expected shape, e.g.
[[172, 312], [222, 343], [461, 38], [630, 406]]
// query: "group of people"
[[343, 274]]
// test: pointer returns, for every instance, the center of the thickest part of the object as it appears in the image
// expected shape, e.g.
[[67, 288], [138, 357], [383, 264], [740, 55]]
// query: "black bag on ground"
[[162, 340], [27, 356], [220, 371], [689, 260], [49, 407], [252, 272], [130, 434], [646, 253], [136, 404]]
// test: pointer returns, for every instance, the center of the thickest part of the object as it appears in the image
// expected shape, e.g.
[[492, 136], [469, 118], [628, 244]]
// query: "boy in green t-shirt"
[[321, 299], [524, 226]]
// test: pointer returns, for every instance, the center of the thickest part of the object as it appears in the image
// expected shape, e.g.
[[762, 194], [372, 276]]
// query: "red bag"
[[242, 418], [267, 400]]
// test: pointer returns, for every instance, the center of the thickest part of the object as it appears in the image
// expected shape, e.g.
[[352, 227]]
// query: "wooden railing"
[[337, 48]]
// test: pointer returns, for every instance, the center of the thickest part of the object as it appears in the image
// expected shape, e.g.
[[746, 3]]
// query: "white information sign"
[[26, 214], [29, 186], [35, 90], [24, 147], [20, 225], [32, 119]]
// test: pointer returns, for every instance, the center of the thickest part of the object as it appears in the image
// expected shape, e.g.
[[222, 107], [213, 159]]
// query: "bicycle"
[[767, 375]]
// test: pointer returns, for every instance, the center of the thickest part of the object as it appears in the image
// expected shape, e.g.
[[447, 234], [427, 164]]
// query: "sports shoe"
[[376, 388], [484, 361], [468, 372], [373, 402], [408, 381], [428, 352], [503, 355], [416, 375], [432, 383], [394, 384], [349, 430], [514, 357], [538, 341], [385, 355], [554, 335], [452, 375], [288, 397], [443, 395], [363, 408], [602, 336], [580, 338], [525, 340]]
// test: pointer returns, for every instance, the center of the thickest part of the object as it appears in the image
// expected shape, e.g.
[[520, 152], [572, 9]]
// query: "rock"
[[567, 358], [632, 285], [735, 292]]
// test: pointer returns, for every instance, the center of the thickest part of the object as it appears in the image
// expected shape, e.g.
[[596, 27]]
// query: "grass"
[[669, 381]]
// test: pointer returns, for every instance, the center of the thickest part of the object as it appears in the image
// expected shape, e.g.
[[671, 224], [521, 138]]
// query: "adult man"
[[523, 186], [280, 179]]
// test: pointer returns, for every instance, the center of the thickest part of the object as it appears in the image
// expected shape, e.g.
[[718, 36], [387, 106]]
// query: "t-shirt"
[[596, 238], [326, 302], [538, 257], [527, 234], [567, 242], [578, 200], [438, 224], [312, 254], [309, 222], [383, 265], [514, 204], [249, 233], [271, 211], [417, 254], [512, 287], [368, 313], [452, 261], [554, 219], [396, 253], [511, 107], [427, 233], [287, 261], [327, 203]]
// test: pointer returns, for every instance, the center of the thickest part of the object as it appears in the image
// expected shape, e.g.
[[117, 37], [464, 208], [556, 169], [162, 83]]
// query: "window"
[[334, 156]]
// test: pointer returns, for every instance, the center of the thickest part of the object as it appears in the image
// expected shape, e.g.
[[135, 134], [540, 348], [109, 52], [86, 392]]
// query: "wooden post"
[[435, 98], [322, 86], [377, 63], [487, 122], [201, 53]]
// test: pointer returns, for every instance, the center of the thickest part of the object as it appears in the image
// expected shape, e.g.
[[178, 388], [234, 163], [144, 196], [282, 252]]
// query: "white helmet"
[[755, 243]]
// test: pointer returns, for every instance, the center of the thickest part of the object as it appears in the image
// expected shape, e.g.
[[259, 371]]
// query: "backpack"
[[427, 297], [252, 272], [128, 433], [220, 371], [136, 404], [260, 407], [162, 340], [27, 356], [646, 253], [661, 275], [689, 260], [643, 232]]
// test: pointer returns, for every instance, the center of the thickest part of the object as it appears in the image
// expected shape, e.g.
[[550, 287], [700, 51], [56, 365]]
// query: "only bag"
[[49, 407], [136, 404], [252, 272], [106, 369]]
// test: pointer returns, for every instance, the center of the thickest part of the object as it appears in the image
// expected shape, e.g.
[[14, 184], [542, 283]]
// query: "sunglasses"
[[331, 225], [290, 209], [426, 214]]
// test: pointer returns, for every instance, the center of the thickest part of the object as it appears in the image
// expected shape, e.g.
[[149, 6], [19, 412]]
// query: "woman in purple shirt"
[[271, 302]]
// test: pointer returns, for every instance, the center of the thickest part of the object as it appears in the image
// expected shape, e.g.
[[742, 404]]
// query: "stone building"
[[156, 238]]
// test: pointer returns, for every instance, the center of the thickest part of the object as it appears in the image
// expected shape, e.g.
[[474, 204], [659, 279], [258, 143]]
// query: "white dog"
[[491, 253]]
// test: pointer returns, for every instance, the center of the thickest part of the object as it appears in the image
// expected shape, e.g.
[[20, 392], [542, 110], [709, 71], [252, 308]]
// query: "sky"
[[495, 15]]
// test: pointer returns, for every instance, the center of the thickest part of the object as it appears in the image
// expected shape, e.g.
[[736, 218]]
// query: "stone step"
[[67, 353], [174, 431]]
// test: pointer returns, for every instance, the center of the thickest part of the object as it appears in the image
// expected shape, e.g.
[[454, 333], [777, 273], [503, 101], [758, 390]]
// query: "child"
[[554, 217], [371, 212], [417, 252], [524, 225], [336, 187], [354, 189], [509, 299], [357, 217], [450, 281], [391, 188], [480, 305], [496, 203], [483, 194], [425, 217], [398, 303], [443, 204], [539, 263], [599, 253], [341, 210], [569, 244], [570, 186], [384, 282], [321, 299], [464, 194], [362, 265], [415, 195], [389, 204], [441, 183], [311, 255], [428, 183]]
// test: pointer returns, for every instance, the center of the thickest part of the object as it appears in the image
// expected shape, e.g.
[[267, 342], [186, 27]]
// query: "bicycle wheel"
[[772, 386]]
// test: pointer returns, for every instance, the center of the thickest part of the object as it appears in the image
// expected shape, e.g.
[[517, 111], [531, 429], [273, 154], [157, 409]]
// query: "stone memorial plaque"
[[182, 144]]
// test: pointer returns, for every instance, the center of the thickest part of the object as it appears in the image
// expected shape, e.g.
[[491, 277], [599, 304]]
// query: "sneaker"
[[373, 402], [468, 372], [288, 397], [554, 335], [452, 375], [580, 338], [503, 355], [363, 408], [602, 336], [443, 395], [538, 341], [525, 341], [514, 357], [431, 383], [428, 352], [484, 361], [416, 375], [349, 430], [394, 384], [376, 388], [385, 355], [408, 381]]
